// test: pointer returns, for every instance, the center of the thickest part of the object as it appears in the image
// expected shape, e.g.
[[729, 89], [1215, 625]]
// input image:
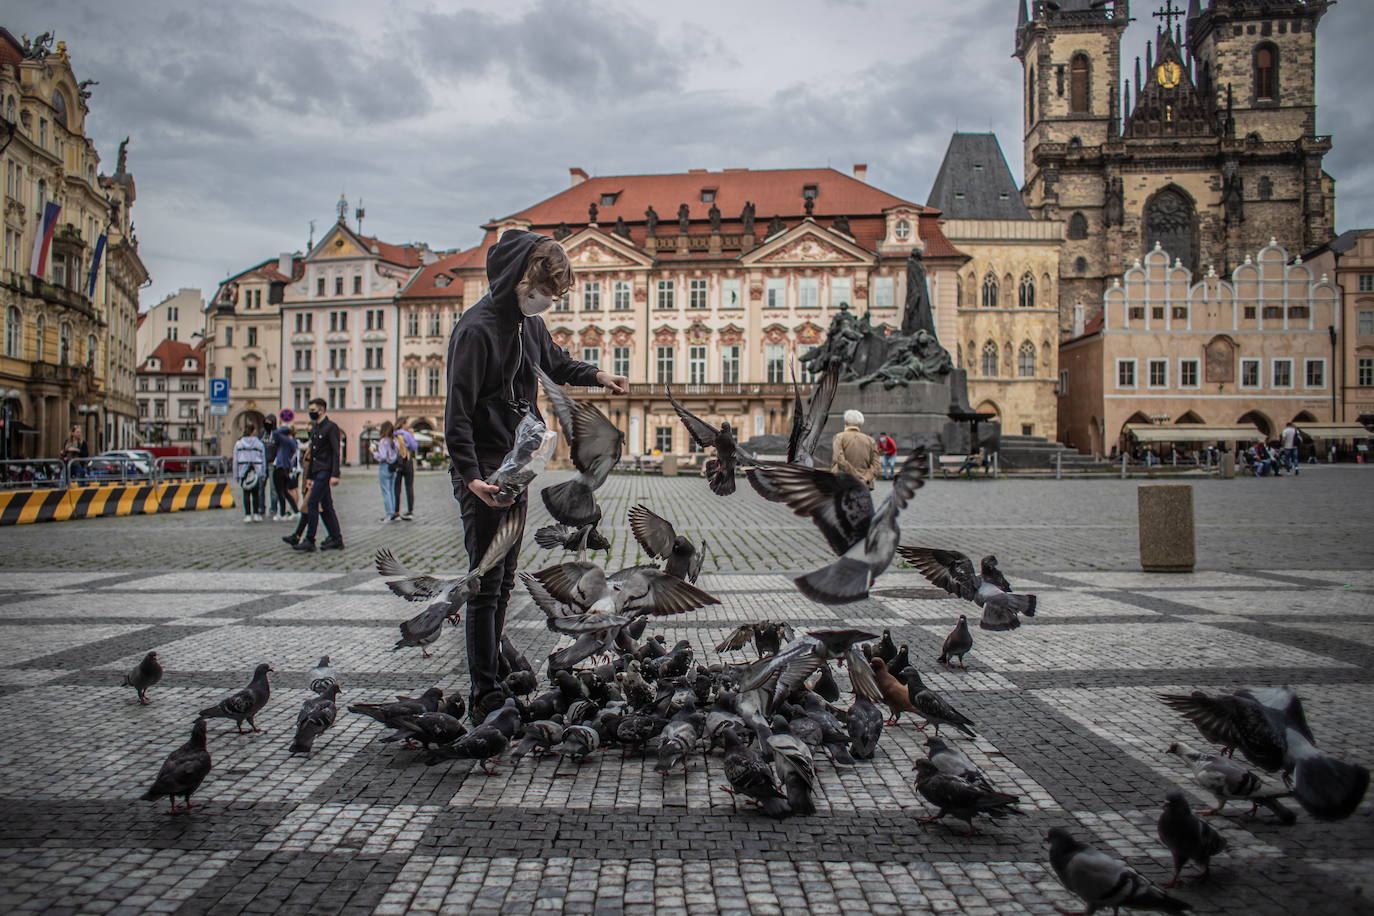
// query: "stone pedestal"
[[1165, 512], [1228, 465], [670, 465], [914, 415]]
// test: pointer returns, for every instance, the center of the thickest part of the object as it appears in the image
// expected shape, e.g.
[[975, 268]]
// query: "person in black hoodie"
[[492, 353], [325, 456]]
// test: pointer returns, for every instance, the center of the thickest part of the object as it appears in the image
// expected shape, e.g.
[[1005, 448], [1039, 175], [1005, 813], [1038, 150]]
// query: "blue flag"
[[95, 265]]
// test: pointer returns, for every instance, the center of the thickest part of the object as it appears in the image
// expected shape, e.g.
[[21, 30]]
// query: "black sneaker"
[[291, 539], [307, 545], [332, 544]]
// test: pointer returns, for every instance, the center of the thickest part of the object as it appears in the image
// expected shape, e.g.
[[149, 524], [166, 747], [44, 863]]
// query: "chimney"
[[1078, 319], [861, 171], [284, 263], [576, 176]]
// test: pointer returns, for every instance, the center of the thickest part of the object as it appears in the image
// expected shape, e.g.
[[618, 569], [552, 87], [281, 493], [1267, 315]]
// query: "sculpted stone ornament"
[[651, 217], [842, 339], [562, 232], [714, 215], [775, 225], [917, 358], [841, 224], [684, 218], [620, 228], [591, 212], [747, 217]]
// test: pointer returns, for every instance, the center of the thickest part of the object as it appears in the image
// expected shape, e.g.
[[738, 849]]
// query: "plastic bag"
[[534, 445]]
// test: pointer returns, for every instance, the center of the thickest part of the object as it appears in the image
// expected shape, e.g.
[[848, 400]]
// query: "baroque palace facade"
[[70, 308]]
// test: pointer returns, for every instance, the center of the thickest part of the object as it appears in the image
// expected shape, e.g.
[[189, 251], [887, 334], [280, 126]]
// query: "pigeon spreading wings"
[[660, 541], [722, 475], [954, 572], [639, 591], [808, 422], [838, 504], [595, 444], [455, 592]]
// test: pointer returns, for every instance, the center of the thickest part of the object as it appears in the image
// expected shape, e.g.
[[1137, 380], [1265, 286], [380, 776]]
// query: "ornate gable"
[[593, 249], [808, 243], [339, 242], [1169, 104]]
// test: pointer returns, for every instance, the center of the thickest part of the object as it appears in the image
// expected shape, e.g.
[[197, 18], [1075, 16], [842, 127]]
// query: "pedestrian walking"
[[406, 449], [284, 459], [269, 485], [1288, 439], [854, 451], [384, 453], [250, 470], [325, 459], [301, 473], [887, 452], [492, 353]]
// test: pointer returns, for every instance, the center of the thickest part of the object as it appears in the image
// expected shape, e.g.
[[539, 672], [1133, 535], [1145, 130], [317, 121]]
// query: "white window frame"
[[1135, 377], [666, 297], [1259, 374], [436, 324], [731, 289], [1364, 322], [775, 362], [1307, 369], [808, 292], [697, 364], [412, 378], [434, 382], [1364, 371], [620, 360], [591, 295], [1150, 365], [592, 355], [665, 356], [1063, 383], [622, 296], [730, 358], [776, 295], [1274, 369], [1197, 373], [884, 292], [698, 294], [841, 290]]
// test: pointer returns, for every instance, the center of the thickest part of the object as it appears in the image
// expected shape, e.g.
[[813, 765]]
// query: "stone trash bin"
[[670, 465], [1167, 541]]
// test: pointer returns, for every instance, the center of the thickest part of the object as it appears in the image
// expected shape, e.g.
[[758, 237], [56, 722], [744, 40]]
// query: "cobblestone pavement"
[[1065, 709]]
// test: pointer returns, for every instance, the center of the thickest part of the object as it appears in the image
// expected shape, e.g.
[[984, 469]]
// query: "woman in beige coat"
[[855, 451]]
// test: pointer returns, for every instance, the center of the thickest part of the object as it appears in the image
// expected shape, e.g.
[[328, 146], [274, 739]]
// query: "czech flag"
[[95, 265], [46, 226]]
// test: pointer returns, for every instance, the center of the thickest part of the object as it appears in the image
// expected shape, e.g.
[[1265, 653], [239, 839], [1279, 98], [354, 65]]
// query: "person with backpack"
[[887, 453], [269, 447], [285, 454], [250, 469], [406, 448]]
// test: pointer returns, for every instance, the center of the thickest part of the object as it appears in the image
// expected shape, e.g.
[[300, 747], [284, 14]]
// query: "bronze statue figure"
[[651, 217], [684, 218]]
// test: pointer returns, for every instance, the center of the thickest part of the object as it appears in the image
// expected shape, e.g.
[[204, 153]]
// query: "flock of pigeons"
[[772, 720]]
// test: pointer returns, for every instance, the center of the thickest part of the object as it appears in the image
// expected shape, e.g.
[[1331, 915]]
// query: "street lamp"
[[6, 396]]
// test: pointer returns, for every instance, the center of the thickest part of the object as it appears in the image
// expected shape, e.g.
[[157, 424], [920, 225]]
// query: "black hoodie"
[[487, 368]]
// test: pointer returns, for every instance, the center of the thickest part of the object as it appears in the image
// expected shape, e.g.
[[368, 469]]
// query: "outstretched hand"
[[618, 384]]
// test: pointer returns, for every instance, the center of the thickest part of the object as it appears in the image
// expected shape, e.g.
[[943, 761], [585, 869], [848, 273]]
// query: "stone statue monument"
[[651, 218]]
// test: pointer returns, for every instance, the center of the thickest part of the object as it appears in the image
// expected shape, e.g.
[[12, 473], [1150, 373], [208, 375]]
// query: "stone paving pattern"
[[1065, 709]]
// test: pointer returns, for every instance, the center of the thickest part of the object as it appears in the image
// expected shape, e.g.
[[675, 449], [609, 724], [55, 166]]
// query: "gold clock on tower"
[[1169, 73]]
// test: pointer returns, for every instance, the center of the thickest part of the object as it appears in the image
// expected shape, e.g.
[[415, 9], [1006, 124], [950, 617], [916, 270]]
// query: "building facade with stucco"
[[1348, 259], [180, 316]]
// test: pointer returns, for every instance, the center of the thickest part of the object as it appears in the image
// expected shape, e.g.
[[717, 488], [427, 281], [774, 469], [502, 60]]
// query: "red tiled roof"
[[173, 354], [404, 255], [424, 286], [11, 51]]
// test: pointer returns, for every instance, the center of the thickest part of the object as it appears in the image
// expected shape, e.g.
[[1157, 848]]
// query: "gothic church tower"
[[1208, 150]]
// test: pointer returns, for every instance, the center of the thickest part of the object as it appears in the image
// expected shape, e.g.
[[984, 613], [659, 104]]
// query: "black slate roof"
[[974, 181]]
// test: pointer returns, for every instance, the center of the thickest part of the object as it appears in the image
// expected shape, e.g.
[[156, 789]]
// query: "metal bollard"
[[1058, 470], [1123, 465]]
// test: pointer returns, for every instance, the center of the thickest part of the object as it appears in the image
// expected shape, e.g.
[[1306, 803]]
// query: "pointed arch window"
[[1078, 226], [1266, 72], [1025, 296], [990, 359], [1078, 84], [1025, 360], [990, 291]]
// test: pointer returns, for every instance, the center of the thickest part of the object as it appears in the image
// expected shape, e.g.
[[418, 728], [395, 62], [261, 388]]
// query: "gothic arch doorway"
[[1266, 425], [1170, 218]]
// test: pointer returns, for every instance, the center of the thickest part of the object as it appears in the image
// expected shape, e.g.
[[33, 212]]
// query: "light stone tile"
[[48, 579], [1145, 581], [22, 643], [348, 606], [29, 677], [1278, 601], [94, 605], [267, 581]]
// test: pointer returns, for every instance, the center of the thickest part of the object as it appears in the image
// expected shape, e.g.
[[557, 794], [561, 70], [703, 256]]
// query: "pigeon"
[[316, 715], [678, 739], [767, 636], [389, 714], [1104, 881], [145, 674], [796, 769], [1188, 839], [826, 687], [427, 728], [578, 742], [660, 541], [951, 761], [803, 656], [838, 503], [808, 424], [865, 727], [834, 735], [487, 742], [246, 703], [886, 649], [448, 597], [751, 776], [1226, 779], [958, 643], [893, 692], [849, 578], [555, 536], [183, 771], [987, 568], [901, 661], [595, 445], [640, 590], [322, 678], [933, 707], [954, 796], [1269, 728], [721, 468], [953, 571]]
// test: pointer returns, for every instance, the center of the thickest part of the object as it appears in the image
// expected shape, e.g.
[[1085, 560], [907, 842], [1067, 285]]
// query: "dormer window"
[[154, 363], [902, 230], [810, 192], [978, 166], [608, 200], [443, 280], [958, 195], [189, 365], [708, 195]]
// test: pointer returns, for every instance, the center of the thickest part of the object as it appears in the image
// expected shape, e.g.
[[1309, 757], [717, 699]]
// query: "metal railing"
[[56, 473]]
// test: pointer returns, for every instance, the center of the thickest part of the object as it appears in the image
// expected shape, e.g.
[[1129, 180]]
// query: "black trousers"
[[486, 610], [320, 504], [406, 474], [281, 483]]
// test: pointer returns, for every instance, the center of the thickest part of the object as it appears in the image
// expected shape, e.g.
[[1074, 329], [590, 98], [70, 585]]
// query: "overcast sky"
[[249, 118]]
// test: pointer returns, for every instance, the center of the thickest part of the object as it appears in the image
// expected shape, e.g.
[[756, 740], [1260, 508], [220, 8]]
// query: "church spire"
[[1022, 18]]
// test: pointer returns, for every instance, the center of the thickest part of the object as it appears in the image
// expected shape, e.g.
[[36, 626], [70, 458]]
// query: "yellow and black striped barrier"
[[24, 507]]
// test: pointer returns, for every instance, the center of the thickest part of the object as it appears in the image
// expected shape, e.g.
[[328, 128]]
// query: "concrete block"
[[1228, 465], [1167, 540], [670, 465]]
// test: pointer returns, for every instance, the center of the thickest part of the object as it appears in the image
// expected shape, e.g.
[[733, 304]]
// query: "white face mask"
[[534, 303]]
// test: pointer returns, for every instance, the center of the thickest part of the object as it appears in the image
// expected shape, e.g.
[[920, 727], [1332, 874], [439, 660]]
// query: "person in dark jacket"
[[325, 458], [492, 352]]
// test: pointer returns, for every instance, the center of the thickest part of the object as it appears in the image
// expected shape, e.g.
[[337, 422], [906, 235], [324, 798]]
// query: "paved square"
[[1065, 713]]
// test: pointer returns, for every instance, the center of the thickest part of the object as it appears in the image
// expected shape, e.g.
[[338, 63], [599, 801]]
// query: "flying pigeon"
[[450, 595], [322, 678], [183, 771], [838, 503], [808, 424], [1226, 780], [634, 592], [751, 776], [1188, 839], [721, 468], [1269, 728], [660, 541], [804, 655], [850, 577], [987, 568], [954, 796], [932, 706], [595, 445], [958, 643], [246, 703], [566, 537], [953, 571], [145, 674], [316, 715], [528, 456], [1102, 880], [768, 637]]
